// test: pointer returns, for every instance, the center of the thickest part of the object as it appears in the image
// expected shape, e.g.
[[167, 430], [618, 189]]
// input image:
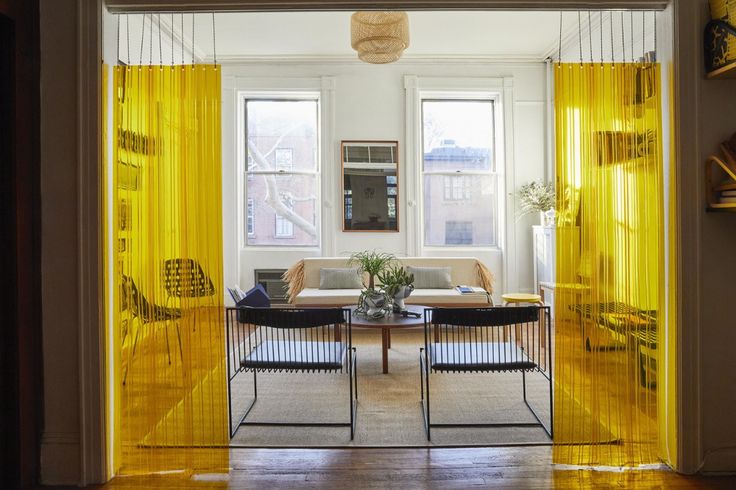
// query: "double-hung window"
[[282, 171], [460, 178]]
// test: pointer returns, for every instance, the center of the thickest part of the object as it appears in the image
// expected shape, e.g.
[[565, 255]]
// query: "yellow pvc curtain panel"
[[167, 323], [609, 258]]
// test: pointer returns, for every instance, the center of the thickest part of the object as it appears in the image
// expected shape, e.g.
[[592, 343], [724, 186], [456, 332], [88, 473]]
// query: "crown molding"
[[353, 60]]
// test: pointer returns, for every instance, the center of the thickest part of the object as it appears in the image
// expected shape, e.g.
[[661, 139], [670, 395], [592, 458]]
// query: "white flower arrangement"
[[536, 197]]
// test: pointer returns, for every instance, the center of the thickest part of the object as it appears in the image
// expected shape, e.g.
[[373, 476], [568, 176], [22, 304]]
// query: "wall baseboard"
[[60, 458], [719, 461]]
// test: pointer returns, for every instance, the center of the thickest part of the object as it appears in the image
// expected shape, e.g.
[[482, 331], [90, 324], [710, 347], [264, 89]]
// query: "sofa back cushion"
[[462, 269], [339, 278], [431, 277]]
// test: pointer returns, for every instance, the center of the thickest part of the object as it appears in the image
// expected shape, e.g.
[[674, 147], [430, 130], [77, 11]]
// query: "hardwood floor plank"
[[389, 468]]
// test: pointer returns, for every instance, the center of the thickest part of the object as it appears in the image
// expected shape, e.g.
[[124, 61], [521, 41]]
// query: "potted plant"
[[398, 285], [537, 197], [371, 263], [372, 303]]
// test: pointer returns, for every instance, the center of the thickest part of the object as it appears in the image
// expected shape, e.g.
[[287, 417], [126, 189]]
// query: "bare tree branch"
[[273, 197], [281, 138]]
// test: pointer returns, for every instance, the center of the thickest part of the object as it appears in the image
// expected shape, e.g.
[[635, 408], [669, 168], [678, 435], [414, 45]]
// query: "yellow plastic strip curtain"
[[167, 322], [609, 261]]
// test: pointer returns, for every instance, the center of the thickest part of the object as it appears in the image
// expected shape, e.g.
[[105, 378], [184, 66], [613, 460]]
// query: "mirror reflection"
[[370, 185]]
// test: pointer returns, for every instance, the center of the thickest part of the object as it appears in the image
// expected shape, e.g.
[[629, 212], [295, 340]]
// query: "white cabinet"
[[543, 243]]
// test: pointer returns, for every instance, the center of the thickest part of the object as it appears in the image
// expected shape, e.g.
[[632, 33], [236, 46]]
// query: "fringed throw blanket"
[[294, 277], [485, 278]]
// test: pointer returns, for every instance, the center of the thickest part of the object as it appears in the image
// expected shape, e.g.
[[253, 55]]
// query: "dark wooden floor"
[[510, 467]]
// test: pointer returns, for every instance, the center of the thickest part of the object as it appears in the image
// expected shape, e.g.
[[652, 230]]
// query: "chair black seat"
[[160, 313], [296, 355], [481, 357]]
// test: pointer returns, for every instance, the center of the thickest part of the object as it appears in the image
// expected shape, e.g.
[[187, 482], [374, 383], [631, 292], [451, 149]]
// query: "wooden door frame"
[[686, 43]]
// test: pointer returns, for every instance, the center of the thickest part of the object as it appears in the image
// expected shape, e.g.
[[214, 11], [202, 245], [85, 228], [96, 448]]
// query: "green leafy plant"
[[372, 263], [535, 197], [393, 278]]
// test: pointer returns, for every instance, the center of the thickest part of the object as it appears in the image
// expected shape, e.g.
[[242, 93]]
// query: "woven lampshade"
[[379, 37]]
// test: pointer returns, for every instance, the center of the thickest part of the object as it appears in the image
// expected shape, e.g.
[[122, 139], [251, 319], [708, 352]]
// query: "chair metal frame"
[[290, 340], [185, 278], [480, 340], [146, 312]]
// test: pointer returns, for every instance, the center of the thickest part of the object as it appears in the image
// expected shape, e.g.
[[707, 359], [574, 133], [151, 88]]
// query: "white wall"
[[717, 238], [369, 104]]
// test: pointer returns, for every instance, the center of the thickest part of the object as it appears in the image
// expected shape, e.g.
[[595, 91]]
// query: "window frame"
[[250, 214], [281, 222], [245, 175], [496, 170]]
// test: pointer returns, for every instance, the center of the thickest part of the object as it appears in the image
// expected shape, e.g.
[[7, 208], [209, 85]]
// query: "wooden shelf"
[[729, 207], [712, 189], [724, 72]]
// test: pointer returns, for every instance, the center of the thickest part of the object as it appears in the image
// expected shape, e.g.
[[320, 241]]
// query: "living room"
[[452, 154], [57, 378]]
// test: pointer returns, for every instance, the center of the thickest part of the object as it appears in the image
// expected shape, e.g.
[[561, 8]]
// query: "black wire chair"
[[486, 340], [312, 340], [185, 278], [140, 308]]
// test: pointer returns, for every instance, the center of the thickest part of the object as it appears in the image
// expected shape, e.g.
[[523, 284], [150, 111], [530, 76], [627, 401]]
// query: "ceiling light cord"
[[643, 35], [580, 39], [559, 47], [623, 40], [214, 39], [143, 32], [600, 28], [117, 54], [150, 40], [127, 38], [655, 32], [182, 38], [610, 23], [631, 32], [590, 37], [160, 49]]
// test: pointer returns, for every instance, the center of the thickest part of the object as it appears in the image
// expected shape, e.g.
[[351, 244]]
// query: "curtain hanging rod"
[[224, 6]]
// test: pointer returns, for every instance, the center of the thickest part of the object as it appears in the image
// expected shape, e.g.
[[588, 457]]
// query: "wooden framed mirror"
[[370, 185]]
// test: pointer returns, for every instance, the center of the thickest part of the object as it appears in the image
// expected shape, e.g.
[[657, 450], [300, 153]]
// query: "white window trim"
[[322, 89], [498, 89]]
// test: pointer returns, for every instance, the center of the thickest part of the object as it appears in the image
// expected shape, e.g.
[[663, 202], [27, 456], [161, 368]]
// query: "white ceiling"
[[240, 36]]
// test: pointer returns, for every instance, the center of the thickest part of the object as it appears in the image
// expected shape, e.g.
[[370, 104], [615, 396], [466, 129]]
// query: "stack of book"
[[726, 192]]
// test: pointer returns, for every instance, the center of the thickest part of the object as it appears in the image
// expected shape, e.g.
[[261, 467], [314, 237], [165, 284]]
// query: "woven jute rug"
[[389, 413]]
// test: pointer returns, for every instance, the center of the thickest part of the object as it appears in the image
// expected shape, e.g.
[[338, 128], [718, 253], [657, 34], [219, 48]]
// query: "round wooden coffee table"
[[394, 320]]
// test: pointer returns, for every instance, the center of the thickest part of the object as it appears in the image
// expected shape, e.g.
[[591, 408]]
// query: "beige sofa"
[[303, 280]]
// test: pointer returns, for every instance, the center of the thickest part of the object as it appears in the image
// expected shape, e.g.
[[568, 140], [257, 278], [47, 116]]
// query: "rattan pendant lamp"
[[379, 36]]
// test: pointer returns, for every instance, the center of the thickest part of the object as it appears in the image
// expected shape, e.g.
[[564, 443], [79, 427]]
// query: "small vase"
[[401, 294], [374, 304], [542, 218], [549, 217]]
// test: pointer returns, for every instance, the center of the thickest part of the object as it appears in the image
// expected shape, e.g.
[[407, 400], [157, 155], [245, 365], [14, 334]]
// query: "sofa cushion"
[[327, 297], [431, 297], [339, 278], [431, 277]]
